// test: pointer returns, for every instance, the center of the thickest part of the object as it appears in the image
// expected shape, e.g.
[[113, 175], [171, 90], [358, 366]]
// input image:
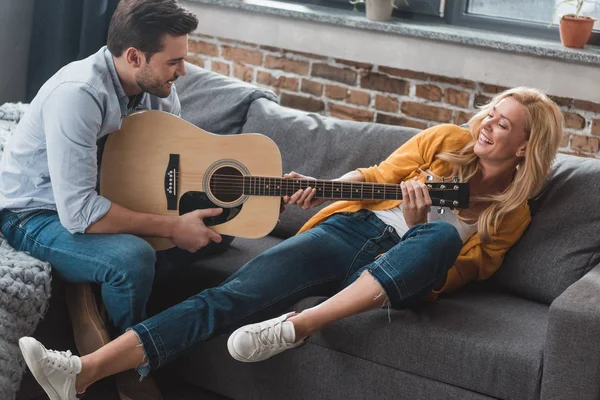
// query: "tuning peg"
[[455, 179], [429, 178], [441, 210], [443, 179]]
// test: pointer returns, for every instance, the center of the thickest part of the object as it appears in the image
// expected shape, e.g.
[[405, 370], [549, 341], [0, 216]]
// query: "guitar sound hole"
[[227, 184]]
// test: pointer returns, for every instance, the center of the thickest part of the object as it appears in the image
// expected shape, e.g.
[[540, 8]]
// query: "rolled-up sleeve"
[[71, 135]]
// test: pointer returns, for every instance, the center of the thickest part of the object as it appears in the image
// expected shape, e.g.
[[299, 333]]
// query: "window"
[[403, 8], [531, 18], [525, 18], [541, 11], [533, 10]]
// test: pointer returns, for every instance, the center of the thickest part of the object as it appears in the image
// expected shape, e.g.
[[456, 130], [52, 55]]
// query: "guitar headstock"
[[452, 194]]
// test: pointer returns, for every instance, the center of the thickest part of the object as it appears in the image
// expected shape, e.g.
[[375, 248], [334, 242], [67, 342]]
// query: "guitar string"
[[342, 194], [194, 174], [231, 185], [237, 177], [267, 191], [255, 180], [281, 191]]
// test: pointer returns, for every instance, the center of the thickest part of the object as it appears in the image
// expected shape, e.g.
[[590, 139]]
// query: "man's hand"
[[302, 198], [416, 202], [190, 233]]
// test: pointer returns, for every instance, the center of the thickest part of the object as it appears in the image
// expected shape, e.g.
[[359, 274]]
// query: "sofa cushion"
[[561, 244], [216, 103], [490, 344], [322, 147], [312, 372]]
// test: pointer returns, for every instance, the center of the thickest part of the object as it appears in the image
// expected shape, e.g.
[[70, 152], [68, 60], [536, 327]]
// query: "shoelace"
[[59, 359], [268, 336]]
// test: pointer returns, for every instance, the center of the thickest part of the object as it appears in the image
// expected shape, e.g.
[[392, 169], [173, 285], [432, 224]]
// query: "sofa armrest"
[[572, 351]]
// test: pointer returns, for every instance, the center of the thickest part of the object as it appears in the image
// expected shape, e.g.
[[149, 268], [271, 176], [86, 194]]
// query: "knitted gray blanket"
[[24, 287]]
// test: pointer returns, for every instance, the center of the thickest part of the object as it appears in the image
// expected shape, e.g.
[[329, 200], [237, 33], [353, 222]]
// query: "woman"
[[364, 254]]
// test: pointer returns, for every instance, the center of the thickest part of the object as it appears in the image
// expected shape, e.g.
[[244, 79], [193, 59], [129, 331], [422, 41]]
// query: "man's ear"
[[134, 57]]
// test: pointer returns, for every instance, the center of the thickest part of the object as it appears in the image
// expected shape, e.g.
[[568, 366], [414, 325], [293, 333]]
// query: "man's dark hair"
[[144, 23]]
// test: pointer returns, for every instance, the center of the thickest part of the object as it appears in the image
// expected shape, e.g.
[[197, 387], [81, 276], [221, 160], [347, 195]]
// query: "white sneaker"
[[55, 371], [257, 342]]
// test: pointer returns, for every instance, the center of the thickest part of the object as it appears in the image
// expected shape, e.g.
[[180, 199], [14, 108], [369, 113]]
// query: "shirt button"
[[390, 229]]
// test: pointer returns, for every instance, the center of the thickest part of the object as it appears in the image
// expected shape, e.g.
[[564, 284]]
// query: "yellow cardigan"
[[476, 260]]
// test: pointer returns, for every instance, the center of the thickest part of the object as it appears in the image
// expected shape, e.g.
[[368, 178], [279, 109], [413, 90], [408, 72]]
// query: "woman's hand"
[[302, 198], [416, 202]]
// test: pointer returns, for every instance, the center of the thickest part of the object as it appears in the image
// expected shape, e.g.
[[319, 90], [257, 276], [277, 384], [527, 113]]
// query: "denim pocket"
[[383, 242], [26, 216], [9, 219]]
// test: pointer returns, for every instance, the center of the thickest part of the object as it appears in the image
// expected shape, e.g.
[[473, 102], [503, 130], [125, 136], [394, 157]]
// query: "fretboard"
[[267, 186]]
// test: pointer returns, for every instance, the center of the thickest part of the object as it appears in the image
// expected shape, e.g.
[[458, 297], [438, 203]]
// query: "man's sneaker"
[[131, 388], [55, 371], [257, 342]]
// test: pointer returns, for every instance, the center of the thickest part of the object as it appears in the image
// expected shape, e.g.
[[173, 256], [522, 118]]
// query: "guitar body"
[[158, 163]]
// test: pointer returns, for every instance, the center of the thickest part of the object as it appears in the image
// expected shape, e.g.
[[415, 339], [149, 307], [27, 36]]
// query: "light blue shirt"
[[51, 160]]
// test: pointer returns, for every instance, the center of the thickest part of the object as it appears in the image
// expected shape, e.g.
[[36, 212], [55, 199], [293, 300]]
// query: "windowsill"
[[453, 34], [478, 55]]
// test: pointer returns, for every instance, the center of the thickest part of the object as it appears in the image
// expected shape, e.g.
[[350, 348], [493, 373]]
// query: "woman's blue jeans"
[[318, 262]]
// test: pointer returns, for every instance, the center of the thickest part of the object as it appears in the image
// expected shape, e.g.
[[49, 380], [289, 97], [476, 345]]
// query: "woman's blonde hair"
[[543, 130]]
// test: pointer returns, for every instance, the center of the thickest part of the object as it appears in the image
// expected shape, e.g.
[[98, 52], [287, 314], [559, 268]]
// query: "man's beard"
[[152, 86]]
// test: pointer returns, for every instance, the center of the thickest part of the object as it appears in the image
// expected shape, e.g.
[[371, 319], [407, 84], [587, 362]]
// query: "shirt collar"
[[123, 99]]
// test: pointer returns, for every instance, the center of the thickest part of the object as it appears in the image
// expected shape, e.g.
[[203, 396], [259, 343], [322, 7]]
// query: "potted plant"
[[378, 10], [575, 29]]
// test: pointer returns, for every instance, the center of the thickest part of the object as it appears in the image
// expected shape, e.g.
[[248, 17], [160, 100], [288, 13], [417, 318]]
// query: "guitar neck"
[[340, 190]]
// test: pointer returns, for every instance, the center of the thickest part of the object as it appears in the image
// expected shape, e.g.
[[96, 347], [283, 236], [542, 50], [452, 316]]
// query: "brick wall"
[[366, 92]]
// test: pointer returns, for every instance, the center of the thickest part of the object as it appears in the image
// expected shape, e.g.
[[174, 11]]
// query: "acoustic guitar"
[[160, 164]]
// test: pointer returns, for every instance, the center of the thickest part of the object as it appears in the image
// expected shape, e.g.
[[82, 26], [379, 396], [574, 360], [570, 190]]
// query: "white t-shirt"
[[395, 218]]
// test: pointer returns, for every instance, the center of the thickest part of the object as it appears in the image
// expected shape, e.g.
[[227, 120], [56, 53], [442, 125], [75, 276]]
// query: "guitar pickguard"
[[191, 201]]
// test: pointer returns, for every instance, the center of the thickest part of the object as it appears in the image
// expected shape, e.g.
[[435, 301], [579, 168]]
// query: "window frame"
[[456, 14], [346, 5]]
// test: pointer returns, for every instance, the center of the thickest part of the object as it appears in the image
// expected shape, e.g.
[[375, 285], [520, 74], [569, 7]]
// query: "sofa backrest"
[[562, 243], [216, 103], [322, 147]]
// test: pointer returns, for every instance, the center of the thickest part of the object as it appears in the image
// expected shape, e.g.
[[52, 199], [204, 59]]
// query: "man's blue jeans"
[[318, 262], [124, 265]]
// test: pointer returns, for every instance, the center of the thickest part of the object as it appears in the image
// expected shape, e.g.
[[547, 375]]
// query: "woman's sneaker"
[[55, 371], [257, 342]]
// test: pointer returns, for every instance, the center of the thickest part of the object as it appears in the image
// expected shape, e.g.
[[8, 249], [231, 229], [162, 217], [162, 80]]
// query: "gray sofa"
[[532, 331]]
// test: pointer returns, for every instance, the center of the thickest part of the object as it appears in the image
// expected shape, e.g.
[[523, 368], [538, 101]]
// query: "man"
[[48, 175]]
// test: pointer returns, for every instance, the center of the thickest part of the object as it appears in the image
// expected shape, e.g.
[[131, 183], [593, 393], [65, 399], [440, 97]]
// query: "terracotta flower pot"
[[575, 31], [379, 10]]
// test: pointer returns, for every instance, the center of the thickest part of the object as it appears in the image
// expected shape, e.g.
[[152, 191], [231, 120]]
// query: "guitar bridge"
[[171, 179]]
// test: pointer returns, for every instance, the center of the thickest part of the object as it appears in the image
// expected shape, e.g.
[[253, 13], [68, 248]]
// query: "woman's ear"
[[521, 151]]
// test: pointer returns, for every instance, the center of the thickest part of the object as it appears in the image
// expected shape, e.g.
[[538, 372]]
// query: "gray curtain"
[[64, 31]]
